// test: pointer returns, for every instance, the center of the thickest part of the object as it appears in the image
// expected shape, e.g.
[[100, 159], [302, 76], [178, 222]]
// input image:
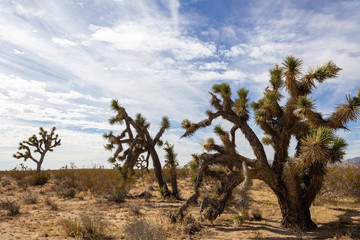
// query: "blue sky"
[[61, 63]]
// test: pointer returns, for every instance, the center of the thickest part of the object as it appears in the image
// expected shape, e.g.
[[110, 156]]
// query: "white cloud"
[[63, 42]]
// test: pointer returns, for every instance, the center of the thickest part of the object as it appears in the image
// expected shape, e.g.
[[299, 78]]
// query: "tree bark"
[[296, 216], [174, 187], [158, 172]]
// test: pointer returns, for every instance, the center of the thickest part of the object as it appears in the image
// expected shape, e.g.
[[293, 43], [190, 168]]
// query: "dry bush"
[[256, 214], [30, 197], [64, 189], [191, 226], [5, 182], [10, 207], [342, 180], [117, 194], [135, 210], [85, 227], [53, 206], [140, 229]]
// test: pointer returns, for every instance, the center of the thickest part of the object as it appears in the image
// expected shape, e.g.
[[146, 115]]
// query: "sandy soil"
[[339, 219]]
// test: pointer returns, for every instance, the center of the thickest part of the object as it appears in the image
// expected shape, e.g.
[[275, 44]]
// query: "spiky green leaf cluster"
[[317, 144], [194, 164], [338, 148], [208, 144], [218, 130], [222, 88], [208, 112], [165, 123], [160, 143], [328, 70], [266, 140], [276, 78], [241, 104], [292, 65], [305, 103], [186, 124], [141, 121], [170, 156]]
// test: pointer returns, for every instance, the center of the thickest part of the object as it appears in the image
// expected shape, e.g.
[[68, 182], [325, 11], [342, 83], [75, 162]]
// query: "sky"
[[63, 61]]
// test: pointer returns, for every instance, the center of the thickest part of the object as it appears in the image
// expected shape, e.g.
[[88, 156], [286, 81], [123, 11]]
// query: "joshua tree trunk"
[[158, 172], [174, 186], [294, 216]]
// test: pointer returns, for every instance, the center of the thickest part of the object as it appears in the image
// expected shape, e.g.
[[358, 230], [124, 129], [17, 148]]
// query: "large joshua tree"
[[45, 143], [137, 137], [296, 180]]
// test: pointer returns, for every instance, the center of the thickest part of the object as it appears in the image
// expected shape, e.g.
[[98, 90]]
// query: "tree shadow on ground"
[[346, 225]]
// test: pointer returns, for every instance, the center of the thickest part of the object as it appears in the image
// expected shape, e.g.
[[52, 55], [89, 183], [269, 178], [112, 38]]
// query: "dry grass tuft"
[[140, 229], [30, 197], [85, 227], [53, 206], [10, 207]]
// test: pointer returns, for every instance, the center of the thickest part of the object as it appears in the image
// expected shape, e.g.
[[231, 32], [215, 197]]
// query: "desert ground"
[[43, 218]]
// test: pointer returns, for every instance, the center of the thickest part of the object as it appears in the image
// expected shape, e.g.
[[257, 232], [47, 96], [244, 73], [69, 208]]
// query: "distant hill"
[[355, 160]]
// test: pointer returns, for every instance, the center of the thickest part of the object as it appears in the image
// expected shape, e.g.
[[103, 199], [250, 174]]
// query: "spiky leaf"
[[165, 122], [218, 130], [266, 140]]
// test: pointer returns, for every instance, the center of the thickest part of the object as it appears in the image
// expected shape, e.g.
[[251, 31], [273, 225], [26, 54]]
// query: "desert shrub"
[[23, 183], [117, 194], [53, 206], [172, 216], [191, 225], [30, 197], [64, 188], [238, 219], [85, 227], [343, 180], [11, 207], [135, 210], [39, 179], [5, 182], [256, 214], [140, 229]]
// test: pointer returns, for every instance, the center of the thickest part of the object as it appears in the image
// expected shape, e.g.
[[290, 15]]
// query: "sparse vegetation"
[[30, 197], [85, 227], [10, 207], [141, 229]]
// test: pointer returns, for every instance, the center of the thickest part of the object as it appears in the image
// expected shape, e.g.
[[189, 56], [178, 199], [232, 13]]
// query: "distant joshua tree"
[[295, 180], [137, 137], [172, 163], [46, 142]]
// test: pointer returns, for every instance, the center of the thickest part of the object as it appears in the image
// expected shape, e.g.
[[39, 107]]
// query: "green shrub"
[[39, 179]]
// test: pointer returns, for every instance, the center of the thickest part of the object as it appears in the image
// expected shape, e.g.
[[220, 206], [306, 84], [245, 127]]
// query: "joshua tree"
[[295, 180], [137, 137], [46, 142], [172, 163]]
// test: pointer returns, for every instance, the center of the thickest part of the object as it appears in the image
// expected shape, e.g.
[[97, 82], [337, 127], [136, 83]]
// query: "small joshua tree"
[[172, 163], [137, 137], [295, 180], [46, 142]]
